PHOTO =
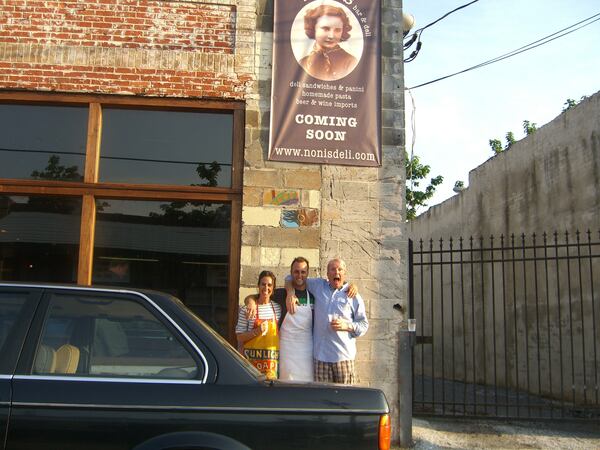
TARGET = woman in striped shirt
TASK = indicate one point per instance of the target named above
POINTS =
(254, 326)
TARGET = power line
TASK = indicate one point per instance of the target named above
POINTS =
(116, 158)
(413, 125)
(416, 35)
(420, 30)
(530, 46)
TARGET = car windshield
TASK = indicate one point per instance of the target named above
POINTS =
(245, 364)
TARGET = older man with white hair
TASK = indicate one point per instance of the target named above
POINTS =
(338, 321)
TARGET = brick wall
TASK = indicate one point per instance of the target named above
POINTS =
(110, 23)
(153, 48)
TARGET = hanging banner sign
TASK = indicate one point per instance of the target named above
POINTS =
(326, 89)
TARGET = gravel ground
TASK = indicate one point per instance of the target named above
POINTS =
(438, 433)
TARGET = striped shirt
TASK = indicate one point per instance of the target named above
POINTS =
(264, 312)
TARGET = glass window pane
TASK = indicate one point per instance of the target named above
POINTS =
(11, 305)
(177, 247)
(104, 336)
(166, 147)
(39, 238)
(43, 142)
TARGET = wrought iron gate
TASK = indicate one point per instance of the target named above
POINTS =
(507, 327)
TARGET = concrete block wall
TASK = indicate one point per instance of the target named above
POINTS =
(548, 181)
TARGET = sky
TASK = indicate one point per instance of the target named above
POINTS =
(455, 118)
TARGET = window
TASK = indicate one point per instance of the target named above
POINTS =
(110, 337)
(43, 142)
(96, 188)
(177, 247)
(39, 238)
(11, 305)
(166, 147)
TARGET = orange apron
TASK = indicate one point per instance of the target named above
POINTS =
(263, 351)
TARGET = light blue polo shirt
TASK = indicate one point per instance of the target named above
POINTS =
(330, 345)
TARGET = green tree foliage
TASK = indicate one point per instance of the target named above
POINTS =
(185, 213)
(510, 139)
(54, 171)
(209, 173)
(570, 103)
(193, 214)
(529, 127)
(415, 174)
(496, 144)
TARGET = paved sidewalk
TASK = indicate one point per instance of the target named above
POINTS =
(444, 433)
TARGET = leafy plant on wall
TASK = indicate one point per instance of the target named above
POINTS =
(416, 173)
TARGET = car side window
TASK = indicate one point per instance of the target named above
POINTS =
(11, 305)
(84, 335)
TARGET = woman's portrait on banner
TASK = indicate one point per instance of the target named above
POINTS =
(327, 40)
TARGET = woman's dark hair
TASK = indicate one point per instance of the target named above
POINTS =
(312, 15)
(267, 273)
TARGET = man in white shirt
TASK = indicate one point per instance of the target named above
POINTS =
(338, 321)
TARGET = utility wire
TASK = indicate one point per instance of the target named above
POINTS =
(413, 124)
(530, 46)
(117, 158)
(416, 35)
(420, 30)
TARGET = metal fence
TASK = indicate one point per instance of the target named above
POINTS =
(507, 327)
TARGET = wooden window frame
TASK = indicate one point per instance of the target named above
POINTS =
(90, 188)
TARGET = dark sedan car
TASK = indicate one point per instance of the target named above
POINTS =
(106, 368)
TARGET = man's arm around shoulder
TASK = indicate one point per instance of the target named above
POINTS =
(360, 323)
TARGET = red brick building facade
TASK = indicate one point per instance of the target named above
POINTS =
(156, 48)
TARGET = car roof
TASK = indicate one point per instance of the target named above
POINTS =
(162, 299)
(95, 287)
